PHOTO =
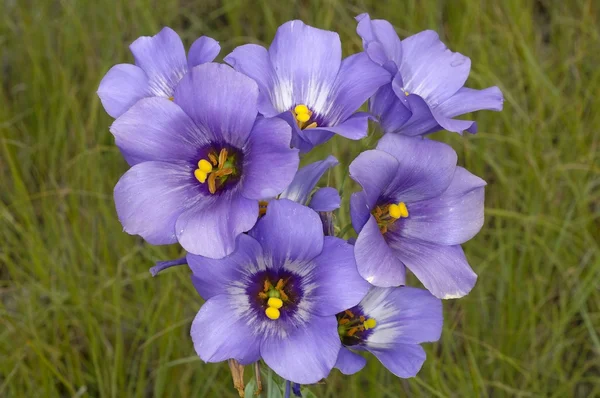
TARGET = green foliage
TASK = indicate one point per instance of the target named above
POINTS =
(81, 316)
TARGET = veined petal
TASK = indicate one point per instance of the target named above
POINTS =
(121, 87)
(380, 41)
(389, 110)
(348, 362)
(360, 210)
(403, 360)
(325, 199)
(374, 170)
(469, 100)
(306, 179)
(162, 57)
(204, 49)
(353, 128)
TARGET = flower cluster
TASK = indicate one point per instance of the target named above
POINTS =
(215, 149)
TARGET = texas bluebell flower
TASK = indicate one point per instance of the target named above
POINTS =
(276, 296)
(303, 79)
(415, 209)
(427, 90)
(201, 163)
(160, 63)
(390, 323)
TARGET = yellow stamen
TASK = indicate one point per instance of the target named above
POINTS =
(395, 211)
(222, 157)
(205, 166)
(352, 331)
(213, 159)
(275, 302)
(370, 323)
(200, 175)
(212, 183)
(403, 209)
(171, 98)
(280, 284)
(311, 126)
(299, 109)
(349, 313)
(272, 313)
(344, 321)
(303, 117)
(406, 93)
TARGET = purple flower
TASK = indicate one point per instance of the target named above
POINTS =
(200, 163)
(427, 90)
(276, 296)
(160, 63)
(390, 323)
(303, 79)
(415, 210)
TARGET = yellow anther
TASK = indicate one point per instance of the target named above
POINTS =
(301, 109)
(200, 175)
(370, 323)
(395, 211)
(171, 98)
(303, 117)
(272, 313)
(406, 93)
(275, 302)
(403, 209)
(205, 166)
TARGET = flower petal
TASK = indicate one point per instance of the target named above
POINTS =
(390, 111)
(121, 87)
(360, 211)
(403, 360)
(452, 218)
(353, 128)
(335, 267)
(220, 100)
(469, 100)
(421, 120)
(306, 61)
(254, 61)
(374, 170)
(289, 231)
(348, 362)
(270, 164)
(218, 334)
(380, 41)
(306, 179)
(162, 57)
(443, 270)
(211, 227)
(430, 69)
(325, 199)
(157, 129)
(425, 170)
(358, 79)
(307, 355)
(212, 277)
(204, 49)
(151, 195)
(376, 262)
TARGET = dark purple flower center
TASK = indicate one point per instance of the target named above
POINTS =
(275, 293)
(219, 168)
(387, 214)
(354, 326)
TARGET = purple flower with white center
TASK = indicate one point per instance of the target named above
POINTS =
(160, 63)
(390, 323)
(276, 296)
(303, 79)
(201, 163)
(415, 210)
(427, 90)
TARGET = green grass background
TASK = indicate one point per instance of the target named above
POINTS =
(80, 314)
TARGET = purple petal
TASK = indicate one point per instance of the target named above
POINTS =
(306, 179)
(306, 61)
(360, 211)
(325, 199)
(376, 262)
(469, 100)
(307, 355)
(335, 267)
(157, 129)
(289, 231)
(348, 362)
(430, 69)
(254, 61)
(374, 170)
(121, 87)
(220, 100)
(380, 41)
(451, 218)
(211, 227)
(390, 111)
(204, 49)
(358, 79)
(405, 315)
(354, 128)
(150, 196)
(219, 334)
(443, 270)
(269, 164)
(425, 170)
(163, 59)
(421, 120)
(403, 360)
(212, 277)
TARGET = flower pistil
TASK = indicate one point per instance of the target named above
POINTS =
(386, 215)
(224, 165)
(275, 296)
(351, 326)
